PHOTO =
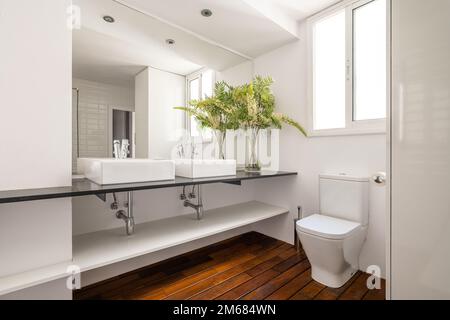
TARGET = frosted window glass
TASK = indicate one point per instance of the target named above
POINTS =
(329, 72)
(369, 61)
(194, 94)
(207, 92)
(194, 89)
(207, 84)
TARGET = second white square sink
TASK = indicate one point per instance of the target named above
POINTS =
(188, 168)
(112, 171)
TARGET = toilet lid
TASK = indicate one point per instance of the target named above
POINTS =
(327, 227)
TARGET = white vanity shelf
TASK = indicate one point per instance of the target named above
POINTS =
(98, 249)
(102, 248)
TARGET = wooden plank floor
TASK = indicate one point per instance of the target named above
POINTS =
(249, 267)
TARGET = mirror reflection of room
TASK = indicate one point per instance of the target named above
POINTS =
(129, 72)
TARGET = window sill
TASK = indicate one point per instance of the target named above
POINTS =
(346, 132)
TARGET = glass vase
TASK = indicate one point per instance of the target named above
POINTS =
(220, 143)
(252, 163)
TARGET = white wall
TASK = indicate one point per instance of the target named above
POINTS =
(96, 101)
(35, 130)
(353, 154)
(237, 75)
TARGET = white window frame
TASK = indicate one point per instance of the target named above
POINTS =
(191, 77)
(353, 127)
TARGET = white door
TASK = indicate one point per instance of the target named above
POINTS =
(420, 150)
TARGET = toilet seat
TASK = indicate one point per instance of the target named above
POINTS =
(327, 227)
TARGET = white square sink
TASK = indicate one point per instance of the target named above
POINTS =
(112, 171)
(197, 168)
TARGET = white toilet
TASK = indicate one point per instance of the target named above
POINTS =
(333, 239)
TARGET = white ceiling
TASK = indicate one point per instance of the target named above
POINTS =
(300, 9)
(250, 27)
(238, 30)
(102, 58)
(114, 53)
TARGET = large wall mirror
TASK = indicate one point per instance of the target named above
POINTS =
(129, 70)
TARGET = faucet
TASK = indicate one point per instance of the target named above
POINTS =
(194, 151)
(121, 150)
(188, 203)
(116, 149)
(180, 151)
(124, 150)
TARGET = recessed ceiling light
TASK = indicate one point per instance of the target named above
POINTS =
(170, 42)
(109, 19)
(206, 13)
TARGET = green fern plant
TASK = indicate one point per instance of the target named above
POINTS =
(216, 112)
(254, 107)
(247, 106)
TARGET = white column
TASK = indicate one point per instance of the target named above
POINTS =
(35, 132)
(158, 125)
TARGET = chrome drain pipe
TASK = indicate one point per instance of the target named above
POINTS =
(127, 216)
(197, 207)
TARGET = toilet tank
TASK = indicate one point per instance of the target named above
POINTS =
(345, 197)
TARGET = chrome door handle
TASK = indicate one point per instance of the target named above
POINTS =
(379, 178)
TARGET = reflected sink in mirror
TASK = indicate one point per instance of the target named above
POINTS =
(188, 168)
(112, 171)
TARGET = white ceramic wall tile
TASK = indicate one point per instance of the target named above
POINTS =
(95, 101)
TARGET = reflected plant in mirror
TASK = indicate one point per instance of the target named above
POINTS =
(217, 113)
(254, 106)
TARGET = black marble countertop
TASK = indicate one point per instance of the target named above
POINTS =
(85, 187)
